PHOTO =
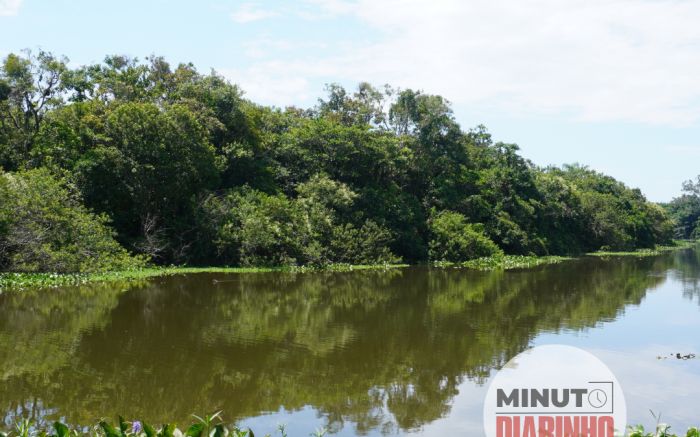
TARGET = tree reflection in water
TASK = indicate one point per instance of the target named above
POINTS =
(380, 349)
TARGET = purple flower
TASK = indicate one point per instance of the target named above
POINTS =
(136, 427)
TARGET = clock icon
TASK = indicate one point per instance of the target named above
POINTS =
(597, 398)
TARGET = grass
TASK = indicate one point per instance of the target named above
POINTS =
(19, 281)
(677, 244)
(506, 262)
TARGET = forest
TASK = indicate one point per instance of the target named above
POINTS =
(126, 163)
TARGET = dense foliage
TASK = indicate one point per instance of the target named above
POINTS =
(209, 426)
(44, 227)
(685, 211)
(453, 239)
(187, 170)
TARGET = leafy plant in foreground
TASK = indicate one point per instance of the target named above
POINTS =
(213, 426)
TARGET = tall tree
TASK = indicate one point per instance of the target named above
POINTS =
(30, 86)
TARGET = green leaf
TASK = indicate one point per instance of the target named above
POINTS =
(61, 429)
(219, 431)
(195, 430)
(123, 426)
(109, 430)
(148, 430)
(166, 431)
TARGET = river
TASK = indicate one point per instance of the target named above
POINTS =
(400, 352)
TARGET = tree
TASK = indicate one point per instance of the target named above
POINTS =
(144, 166)
(561, 215)
(616, 217)
(364, 107)
(250, 227)
(44, 227)
(190, 171)
(30, 87)
(686, 210)
(455, 240)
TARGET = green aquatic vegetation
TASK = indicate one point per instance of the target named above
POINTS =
(505, 262)
(638, 252)
(659, 249)
(213, 426)
(662, 430)
(207, 426)
(20, 281)
(320, 432)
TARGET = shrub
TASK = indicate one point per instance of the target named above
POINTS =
(45, 228)
(252, 228)
(256, 229)
(455, 240)
(368, 244)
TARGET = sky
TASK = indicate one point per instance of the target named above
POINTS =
(611, 84)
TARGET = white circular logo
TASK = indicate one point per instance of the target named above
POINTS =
(554, 390)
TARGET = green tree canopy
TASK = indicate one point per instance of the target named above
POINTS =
(190, 171)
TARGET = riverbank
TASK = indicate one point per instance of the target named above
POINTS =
(510, 262)
(19, 281)
(658, 250)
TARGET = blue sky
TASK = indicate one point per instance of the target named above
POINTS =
(612, 84)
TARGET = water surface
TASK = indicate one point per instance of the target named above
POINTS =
(406, 351)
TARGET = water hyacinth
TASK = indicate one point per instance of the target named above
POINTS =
(30, 281)
(504, 262)
(136, 427)
(213, 426)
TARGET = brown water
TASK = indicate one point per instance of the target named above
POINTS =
(371, 352)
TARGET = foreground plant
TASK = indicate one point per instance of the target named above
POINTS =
(207, 426)
(204, 426)
(662, 430)
(213, 426)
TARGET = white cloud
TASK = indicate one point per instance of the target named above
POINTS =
(266, 47)
(594, 60)
(9, 7)
(684, 150)
(249, 12)
(319, 9)
(265, 85)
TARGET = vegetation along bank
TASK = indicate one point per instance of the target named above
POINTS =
(126, 165)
